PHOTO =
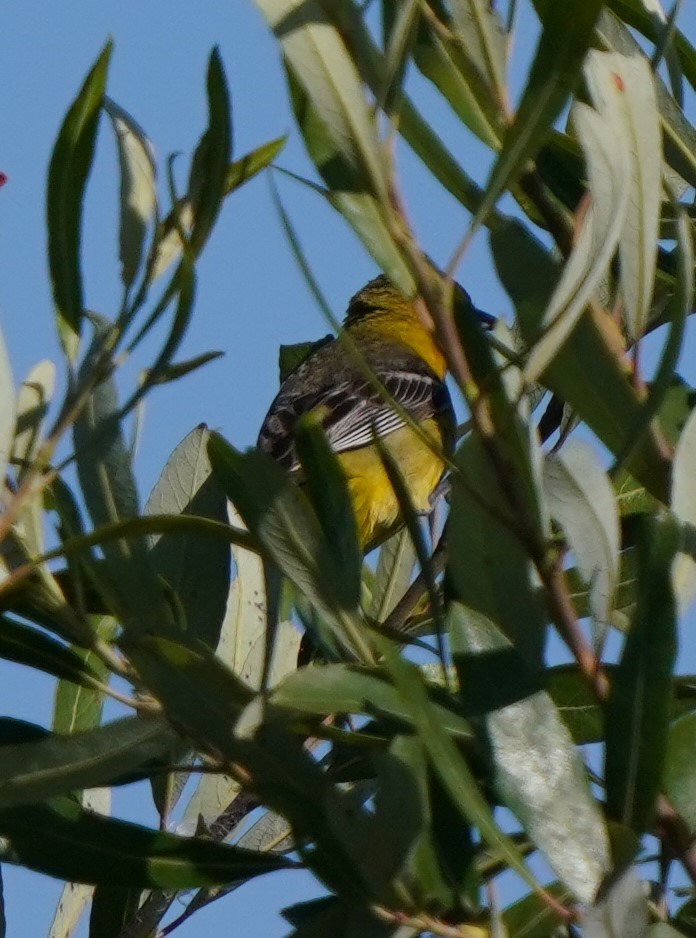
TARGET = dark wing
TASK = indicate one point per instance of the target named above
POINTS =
(354, 410)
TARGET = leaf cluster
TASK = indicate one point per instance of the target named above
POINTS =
(367, 721)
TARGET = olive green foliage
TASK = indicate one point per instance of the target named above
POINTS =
(378, 714)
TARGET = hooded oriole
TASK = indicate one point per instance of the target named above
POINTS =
(405, 357)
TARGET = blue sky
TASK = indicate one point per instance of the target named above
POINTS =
(250, 298)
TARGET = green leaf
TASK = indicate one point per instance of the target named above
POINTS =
(175, 370)
(169, 244)
(489, 570)
(480, 32)
(340, 688)
(638, 709)
(25, 645)
(318, 58)
(109, 490)
(56, 765)
(197, 569)
(394, 572)
(581, 499)
(138, 189)
(210, 165)
(279, 515)
(346, 191)
(553, 75)
(327, 489)
(425, 143)
(585, 372)
(405, 824)
(531, 917)
(112, 910)
(61, 839)
(608, 160)
(448, 762)
(336, 917)
(67, 178)
(537, 770)
(252, 163)
(448, 58)
(76, 707)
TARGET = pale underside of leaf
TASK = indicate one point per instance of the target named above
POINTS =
(581, 499)
(608, 166)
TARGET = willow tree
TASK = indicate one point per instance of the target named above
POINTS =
(368, 720)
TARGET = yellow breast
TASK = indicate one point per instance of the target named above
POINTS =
(376, 507)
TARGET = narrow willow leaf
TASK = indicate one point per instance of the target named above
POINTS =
(425, 143)
(679, 135)
(638, 710)
(531, 916)
(480, 32)
(33, 399)
(448, 762)
(580, 497)
(489, 569)
(169, 245)
(585, 371)
(360, 208)
(395, 564)
(608, 166)
(112, 911)
(280, 516)
(67, 178)
(537, 770)
(24, 645)
(138, 189)
(398, 49)
(76, 707)
(61, 839)
(405, 823)
(212, 158)
(320, 61)
(341, 919)
(327, 489)
(7, 412)
(445, 60)
(57, 764)
(242, 647)
(269, 832)
(339, 688)
(108, 486)
(683, 504)
(553, 75)
(197, 569)
(635, 106)
(640, 15)
(71, 906)
(176, 370)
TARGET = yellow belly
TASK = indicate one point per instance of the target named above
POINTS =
(375, 505)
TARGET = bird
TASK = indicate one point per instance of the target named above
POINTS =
(405, 357)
